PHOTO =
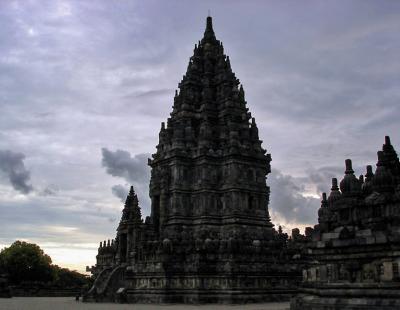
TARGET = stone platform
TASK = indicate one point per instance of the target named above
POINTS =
(62, 303)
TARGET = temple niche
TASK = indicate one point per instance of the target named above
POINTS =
(209, 237)
(354, 251)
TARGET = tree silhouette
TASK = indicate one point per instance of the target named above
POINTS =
(24, 261)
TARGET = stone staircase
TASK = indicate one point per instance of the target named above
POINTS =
(106, 285)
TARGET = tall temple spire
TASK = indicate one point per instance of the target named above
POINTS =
(210, 112)
(210, 129)
(209, 216)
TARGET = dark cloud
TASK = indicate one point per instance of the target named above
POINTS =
(153, 93)
(133, 169)
(121, 164)
(50, 190)
(288, 202)
(13, 167)
(120, 191)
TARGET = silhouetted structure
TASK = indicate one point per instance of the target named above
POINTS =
(355, 248)
(209, 237)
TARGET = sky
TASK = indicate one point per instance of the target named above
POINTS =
(85, 85)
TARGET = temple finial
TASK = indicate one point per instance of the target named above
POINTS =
(209, 35)
(209, 26)
(334, 184)
(349, 168)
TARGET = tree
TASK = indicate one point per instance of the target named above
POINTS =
(68, 278)
(26, 262)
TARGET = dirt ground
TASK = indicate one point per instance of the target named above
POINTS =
(64, 303)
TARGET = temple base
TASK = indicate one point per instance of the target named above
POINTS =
(117, 286)
(379, 297)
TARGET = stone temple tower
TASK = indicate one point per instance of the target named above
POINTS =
(208, 174)
(209, 237)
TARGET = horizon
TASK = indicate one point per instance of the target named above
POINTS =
(85, 87)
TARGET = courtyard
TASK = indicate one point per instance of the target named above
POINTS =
(61, 303)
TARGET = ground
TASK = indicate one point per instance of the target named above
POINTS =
(64, 303)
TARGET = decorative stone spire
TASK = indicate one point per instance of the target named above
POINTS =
(350, 185)
(335, 193)
(209, 35)
(323, 212)
(383, 179)
(131, 211)
(324, 202)
(387, 146)
(324, 205)
(209, 96)
(367, 186)
(349, 168)
(390, 160)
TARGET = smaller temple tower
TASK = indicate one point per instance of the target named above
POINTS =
(124, 249)
(129, 231)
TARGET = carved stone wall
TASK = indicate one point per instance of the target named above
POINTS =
(355, 248)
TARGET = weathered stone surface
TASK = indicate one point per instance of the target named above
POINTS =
(358, 266)
(209, 237)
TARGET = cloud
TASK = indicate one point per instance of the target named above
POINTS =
(120, 191)
(13, 167)
(50, 190)
(322, 177)
(133, 169)
(121, 164)
(287, 200)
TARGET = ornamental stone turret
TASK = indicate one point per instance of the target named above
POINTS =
(335, 193)
(324, 213)
(383, 179)
(350, 185)
(391, 160)
(367, 186)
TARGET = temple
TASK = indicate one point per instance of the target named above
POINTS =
(354, 251)
(209, 237)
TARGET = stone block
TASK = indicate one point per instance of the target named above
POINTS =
(364, 233)
(330, 236)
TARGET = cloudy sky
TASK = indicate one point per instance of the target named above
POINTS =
(84, 86)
